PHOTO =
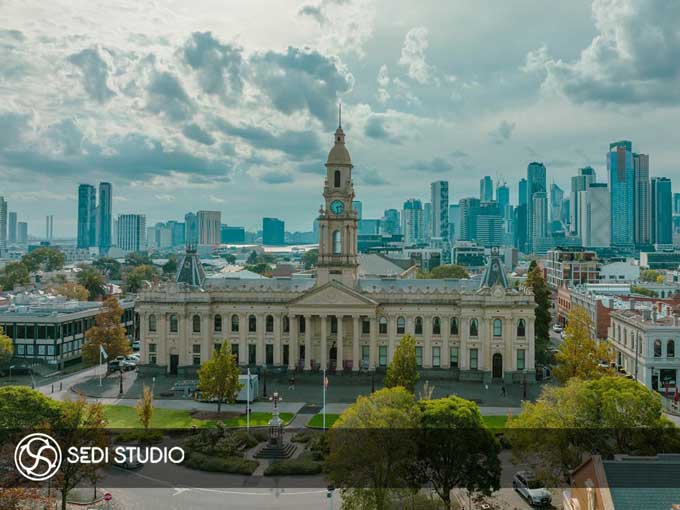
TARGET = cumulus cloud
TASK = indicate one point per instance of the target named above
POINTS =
(218, 65)
(276, 177)
(413, 56)
(376, 128)
(503, 132)
(12, 125)
(434, 165)
(371, 177)
(94, 73)
(383, 83)
(166, 95)
(633, 58)
(197, 134)
(302, 80)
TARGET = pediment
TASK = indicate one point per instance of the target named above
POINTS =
(332, 294)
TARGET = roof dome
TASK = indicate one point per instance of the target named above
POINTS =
(339, 155)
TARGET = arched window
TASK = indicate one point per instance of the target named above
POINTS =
(302, 325)
(252, 324)
(269, 324)
(196, 324)
(174, 324)
(234, 323)
(337, 242)
(286, 324)
(474, 327)
(401, 325)
(454, 326)
(670, 349)
(218, 323)
(334, 324)
(152, 323)
(419, 325)
(382, 326)
(657, 348)
(497, 327)
(436, 326)
(336, 179)
(521, 328)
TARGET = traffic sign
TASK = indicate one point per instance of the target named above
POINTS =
(108, 496)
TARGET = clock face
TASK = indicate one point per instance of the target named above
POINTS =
(337, 207)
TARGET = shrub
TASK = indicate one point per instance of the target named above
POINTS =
(140, 436)
(304, 465)
(231, 465)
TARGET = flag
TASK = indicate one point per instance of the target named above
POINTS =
(325, 382)
(102, 352)
(677, 395)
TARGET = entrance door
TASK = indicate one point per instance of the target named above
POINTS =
(174, 363)
(302, 354)
(497, 364)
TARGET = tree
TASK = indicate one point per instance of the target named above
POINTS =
(252, 258)
(456, 449)
(138, 258)
(46, 257)
(107, 332)
(22, 409)
(79, 424)
(109, 267)
(145, 407)
(310, 258)
(230, 258)
(373, 448)
(402, 370)
(93, 281)
(72, 290)
(170, 267)
(14, 274)
(650, 275)
(542, 298)
(135, 278)
(607, 416)
(446, 271)
(580, 355)
(6, 347)
(259, 268)
(218, 378)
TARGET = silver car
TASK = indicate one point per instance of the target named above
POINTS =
(531, 489)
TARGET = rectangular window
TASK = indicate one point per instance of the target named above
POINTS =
(20, 349)
(286, 357)
(252, 354)
(474, 361)
(454, 356)
(197, 349)
(29, 349)
(217, 347)
(436, 357)
(365, 355)
(152, 348)
(382, 355)
(521, 359)
(235, 352)
(41, 350)
(50, 350)
(196, 359)
(269, 354)
(365, 327)
(152, 359)
(419, 356)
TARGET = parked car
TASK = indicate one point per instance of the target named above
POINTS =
(135, 345)
(531, 489)
(134, 357)
(557, 328)
(131, 460)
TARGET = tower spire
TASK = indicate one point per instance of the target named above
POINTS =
(340, 115)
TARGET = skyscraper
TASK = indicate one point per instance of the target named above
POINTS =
(427, 221)
(87, 218)
(622, 189)
(595, 228)
(556, 200)
(190, 228)
(539, 212)
(468, 210)
(486, 189)
(49, 227)
(536, 183)
(580, 182)
(454, 222)
(22, 232)
(391, 222)
(105, 216)
(412, 221)
(359, 208)
(503, 197)
(12, 234)
(132, 232)
(481, 222)
(643, 215)
(440, 209)
(522, 192)
(662, 211)
(209, 225)
(3, 222)
(273, 232)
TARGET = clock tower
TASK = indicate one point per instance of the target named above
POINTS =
(337, 219)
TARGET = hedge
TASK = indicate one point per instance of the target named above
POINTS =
(300, 466)
(231, 465)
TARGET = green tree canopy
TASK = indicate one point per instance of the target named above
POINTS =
(45, 257)
(109, 267)
(14, 274)
(135, 278)
(542, 296)
(6, 347)
(229, 257)
(218, 378)
(93, 281)
(138, 258)
(446, 271)
(22, 408)
(402, 370)
(650, 275)
(170, 267)
(310, 258)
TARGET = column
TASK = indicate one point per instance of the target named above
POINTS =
(340, 366)
(391, 336)
(356, 355)
(427, 341)
(373, 345)
(463, 354)
(293, 350)
(242, 340)
(532, 343)
(308, 342)
(260, 358)
(278, 333)
(324, 342)
(446, 344)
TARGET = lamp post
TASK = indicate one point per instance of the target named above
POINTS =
(10, 372)
(264, 381)
(373, 380)
(120, 392)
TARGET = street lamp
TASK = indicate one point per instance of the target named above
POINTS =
(121, 383)
(264, 381)
(10, 372)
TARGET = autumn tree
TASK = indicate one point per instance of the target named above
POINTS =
(6, 347)
(72, 290)
(135, 278)
(108, 332)
(218, 378)
(145, 407)
(580, 355)
(93, 281)
(402, 370)
(542, 297)
(446, 271)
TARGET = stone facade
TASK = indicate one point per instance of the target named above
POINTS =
(338, 320)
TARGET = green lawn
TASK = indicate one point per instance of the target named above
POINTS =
(494, 422)
(126, 417)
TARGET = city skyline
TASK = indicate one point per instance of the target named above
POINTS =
(199, 113)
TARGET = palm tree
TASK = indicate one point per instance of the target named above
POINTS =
(93, 281)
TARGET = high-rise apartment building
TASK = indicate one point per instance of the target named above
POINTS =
(12, 233)
(642, 213)
(481, 222)
(662, 211)
(440, 209)
(49, 227)
(233, 235)
(454, 222)
(556, 202)
(595, 211)
(412, 222)
(585, 177)
(209, 225)
(87, 216)
(273, 232)
(104, 210)
(191, 228)
(427, 221)
(539, 212)
(522, 192)
(536, 183)
(622, 188)
(486, 189)
(3, 222)
(132, 232)
(503, 197)
(391, 222)
(22, 232)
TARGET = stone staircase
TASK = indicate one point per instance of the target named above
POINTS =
(276, 452)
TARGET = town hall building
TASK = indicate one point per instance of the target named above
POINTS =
(341, 318)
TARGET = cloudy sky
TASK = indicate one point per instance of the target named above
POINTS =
(231, 105)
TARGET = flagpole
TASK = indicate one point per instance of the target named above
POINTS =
(248, 403)
(323, 381)
(100, 365)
